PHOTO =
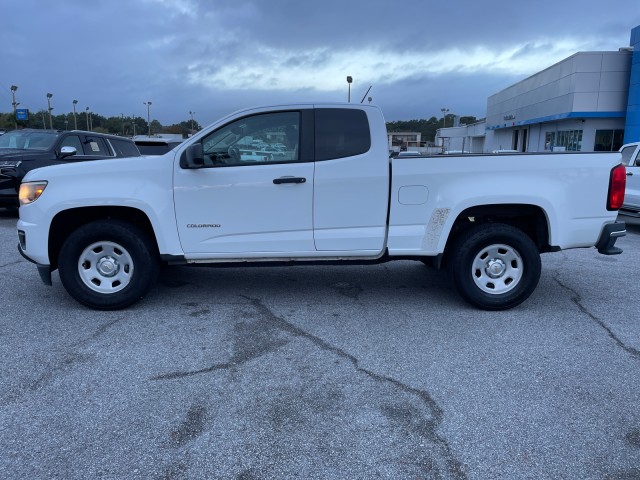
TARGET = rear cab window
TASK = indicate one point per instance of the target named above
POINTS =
(341, 133)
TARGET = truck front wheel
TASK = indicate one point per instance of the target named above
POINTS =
(107, 264)
(495, 266)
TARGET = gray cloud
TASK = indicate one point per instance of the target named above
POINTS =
(214, 57)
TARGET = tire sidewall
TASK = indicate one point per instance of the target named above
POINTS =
(132, 239)
(467, 247)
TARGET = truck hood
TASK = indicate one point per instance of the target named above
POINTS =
(108, 169)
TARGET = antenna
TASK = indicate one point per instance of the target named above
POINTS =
(365, 95)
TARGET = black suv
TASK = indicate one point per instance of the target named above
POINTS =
(24, 150)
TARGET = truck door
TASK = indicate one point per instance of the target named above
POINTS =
(631, 158)
(247, 204)
(351, 183)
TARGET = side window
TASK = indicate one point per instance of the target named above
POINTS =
(263, 138)
(341, 133)
(124, 148)
(96, 146)
(73, 141)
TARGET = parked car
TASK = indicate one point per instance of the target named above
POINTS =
(329, 200)
(156, 146)
(631, 160)
(28, 149)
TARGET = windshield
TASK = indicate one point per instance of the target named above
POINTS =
(27, 140)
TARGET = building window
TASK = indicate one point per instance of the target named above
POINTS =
(608, 140)
(563, 140)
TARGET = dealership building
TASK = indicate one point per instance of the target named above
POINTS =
(587, 102)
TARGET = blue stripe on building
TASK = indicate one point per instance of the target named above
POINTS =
(632, 125)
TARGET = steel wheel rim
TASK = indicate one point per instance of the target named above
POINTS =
(497, 269)
(105, 267)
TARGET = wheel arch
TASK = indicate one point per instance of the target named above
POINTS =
(531, 219)
(67, 221)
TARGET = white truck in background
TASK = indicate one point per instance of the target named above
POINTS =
(334, 195)
(631, 160)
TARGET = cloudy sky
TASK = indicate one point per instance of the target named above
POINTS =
(213, 57)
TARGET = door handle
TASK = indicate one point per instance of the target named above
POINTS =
(629, 174)
(280, 180)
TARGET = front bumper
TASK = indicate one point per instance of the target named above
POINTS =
(610, 233)
(43, 270)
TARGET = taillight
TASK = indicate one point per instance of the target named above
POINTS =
(617, 185)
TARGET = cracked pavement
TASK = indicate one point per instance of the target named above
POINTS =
(323, 372)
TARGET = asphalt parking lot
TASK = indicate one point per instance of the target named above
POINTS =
(353, 372)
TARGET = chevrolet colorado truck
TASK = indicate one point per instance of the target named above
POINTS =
(334, 195)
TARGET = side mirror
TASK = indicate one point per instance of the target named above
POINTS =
(67, 152)
(193, 156)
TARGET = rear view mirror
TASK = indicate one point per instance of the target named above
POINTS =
(193, 156)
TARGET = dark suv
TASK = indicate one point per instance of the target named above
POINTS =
(24, 150)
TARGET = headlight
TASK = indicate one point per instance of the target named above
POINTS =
(30, 192)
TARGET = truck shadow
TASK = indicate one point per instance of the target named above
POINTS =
(394, 282)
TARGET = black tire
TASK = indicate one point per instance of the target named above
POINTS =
(108, 264)
(495, 266)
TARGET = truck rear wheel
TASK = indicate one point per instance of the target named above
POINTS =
(495, 266)
(107, 264)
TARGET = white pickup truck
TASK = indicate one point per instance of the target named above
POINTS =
(631, 160)
(335, 195)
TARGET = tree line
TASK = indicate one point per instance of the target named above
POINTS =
(116, 125)
(427, 127)
(129, 126)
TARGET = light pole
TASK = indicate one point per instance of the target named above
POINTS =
(349, 80)
(15, 104)
(148, 104)
(122, 124)
(87, 115)
(49, 95)
(191, 113)
(133, 118)
(444, 116)
(75, 121)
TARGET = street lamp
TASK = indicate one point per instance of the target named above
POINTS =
(15, 104)
(49, 95)
(148, 104)
(191, 113)
(349, 80)
(122, 124)
(75, 121)
(444, 116)
(86, 110)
